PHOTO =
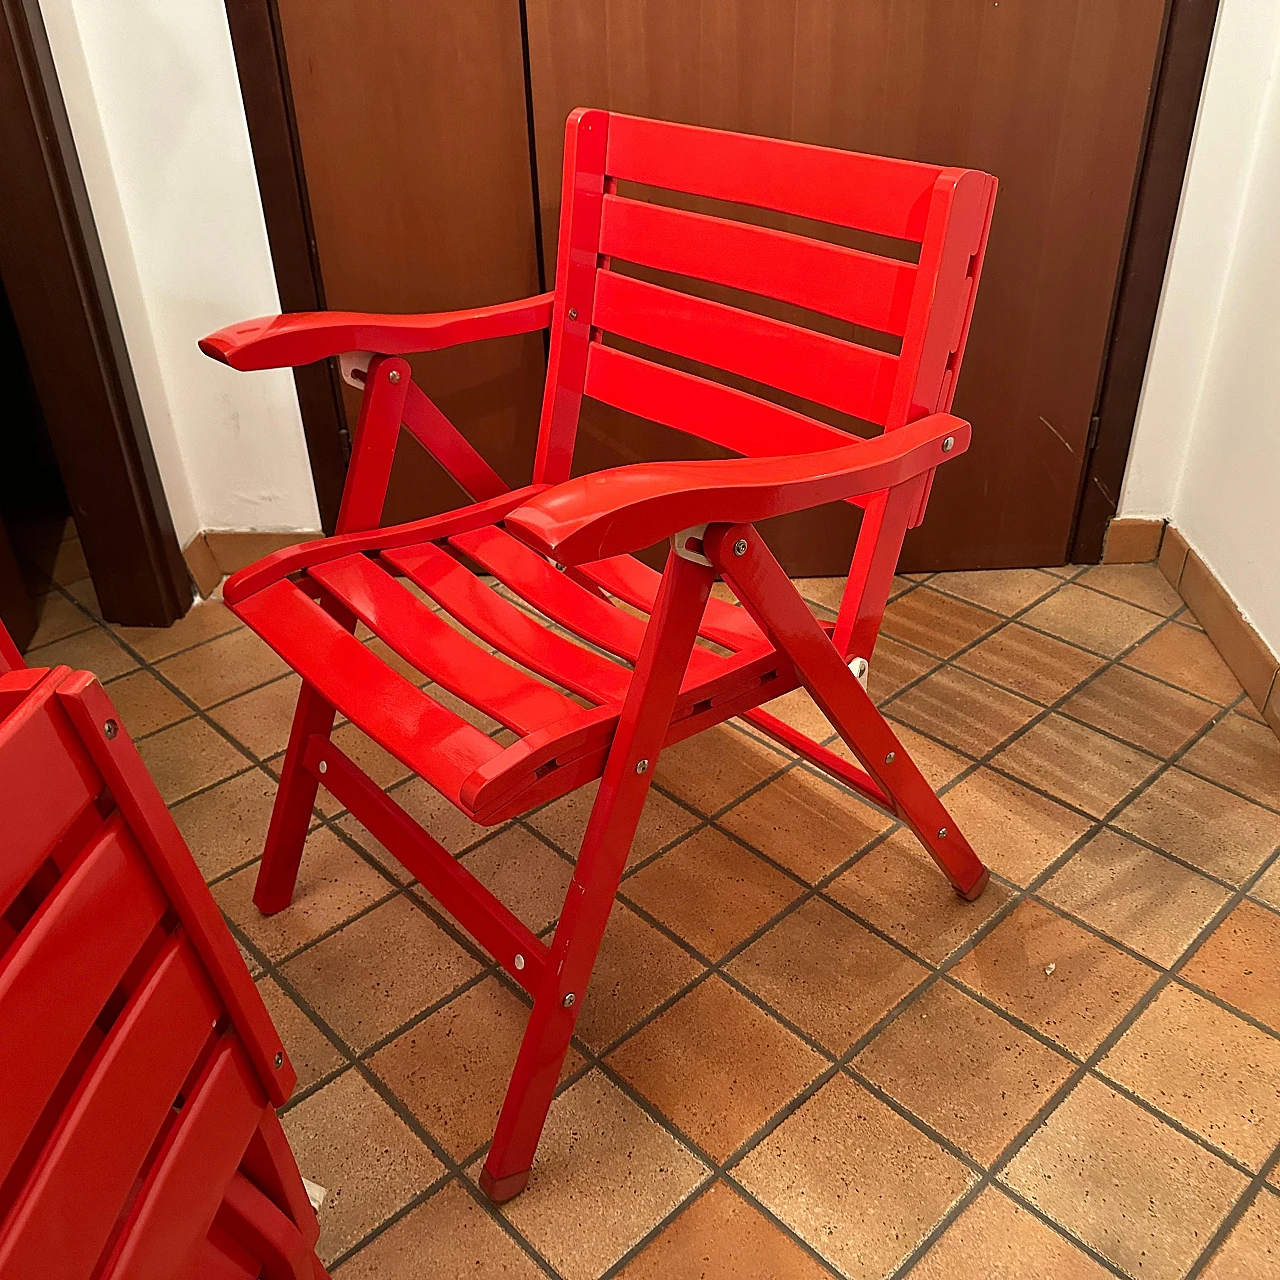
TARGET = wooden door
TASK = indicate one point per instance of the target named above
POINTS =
(1049, 95)
(415, 146)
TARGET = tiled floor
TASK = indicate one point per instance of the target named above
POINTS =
(801, 1054)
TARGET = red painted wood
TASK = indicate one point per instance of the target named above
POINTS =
(247, 1215)
(842, 375)
(275, 342)
(88, 1168)
(10, 658)
(450, 448)
(861, 288)
(438, 650)
(613, 512)
(888, 197)
(377, 434)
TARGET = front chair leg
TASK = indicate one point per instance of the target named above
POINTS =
(642, 729)
(764, 589)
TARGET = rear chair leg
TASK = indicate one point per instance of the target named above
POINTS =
(295, 798)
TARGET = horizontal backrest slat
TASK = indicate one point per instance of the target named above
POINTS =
(842, 375)
(91, 1163)
(699, 407)
(862, 288)
(872, 193)
(56, 979)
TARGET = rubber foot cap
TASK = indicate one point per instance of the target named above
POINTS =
(500, 1190)
(974, 893)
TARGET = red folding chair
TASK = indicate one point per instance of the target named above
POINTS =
(564, 546)
(139, 1070)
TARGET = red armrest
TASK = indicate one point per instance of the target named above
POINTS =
(612, 512)
(276, 342)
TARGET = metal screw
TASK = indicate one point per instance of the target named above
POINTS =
(948, 444)
(324, 766)
(569, 1001)
(110, 729)
(279, 1061)
(891, 757)
(394, 375)
(942, 833)
(573, 313)
(642, 766)
(519, 961)
(740, 547)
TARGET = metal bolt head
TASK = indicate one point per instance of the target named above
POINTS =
(948, 444)
(891, 757)
(110, 729)
(573, 313)
(394, 375)
(942, 833)
(569, 1001)
(323, 766)
(279, 1060)
(740, 547)
(519, 962)
(642, 766)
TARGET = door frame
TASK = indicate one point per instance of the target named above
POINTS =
(1171, 114)
(56, 278)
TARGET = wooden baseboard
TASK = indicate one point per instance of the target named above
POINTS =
(1132, 541)
(215, 553)
(1241, 647)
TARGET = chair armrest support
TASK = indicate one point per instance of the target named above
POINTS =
(279, 342)
(623, 509)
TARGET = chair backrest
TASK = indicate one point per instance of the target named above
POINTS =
(608, 319)
(137, 1060)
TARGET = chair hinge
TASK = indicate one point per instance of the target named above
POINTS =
(695, 534)
(860, 668)
(354, 367)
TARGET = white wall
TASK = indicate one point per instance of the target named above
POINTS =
(1206, 449)
(154, 102)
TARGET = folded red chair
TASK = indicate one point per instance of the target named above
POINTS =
(563, 546)
(139, 1070)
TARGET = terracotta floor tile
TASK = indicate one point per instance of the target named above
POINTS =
(1252, 1250)
(334, 883)
(963, 711)
(69, 563)
(1055, 976)
(1202, 824)
(1242, 755)
(939, 764)
(1207, 1068)
(897, 888)
(1140, 584)
(637, 969)
(375, 849)
(713, 769)
(260, 720)
(397, 663)
(144, 704)
(716, 1065)
(375, 973)
(524, 873)
(1141, 710)
(222, 668)
(1126, 1184)
(378, 763)
(894, 665)
(711, 891)
(1267, 887)
(799, 710)
(369, 1161)
(1077, 764)
(447, 1238)
(1140, 898)
(1238, 963)
(827, 974)
(93, 650)
(936, 623)
(1185, 656)
(722, 1236)
(451, 1069)
(225, 827)
(824, 592)
(1035, 665)
(805, 823)
(853, 1179)
(964, 1070)
(309, 1049)
(997, 1239)
(444, 820)
(203, 622)
(1091, 620)
(57, 619)
(605, 1176)
(187, 757)
(1004, 591)
(1015, 831)
(662, 822)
